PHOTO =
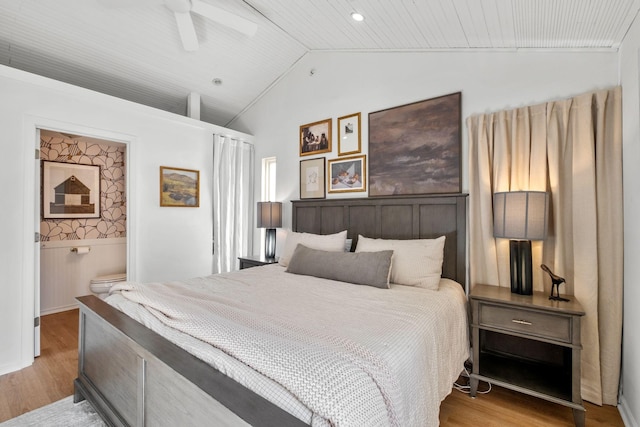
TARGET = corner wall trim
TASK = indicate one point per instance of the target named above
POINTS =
(625, 412)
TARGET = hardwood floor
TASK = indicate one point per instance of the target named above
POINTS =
(51, 377)
(506, 408)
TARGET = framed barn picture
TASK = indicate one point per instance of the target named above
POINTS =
(416, 148)
(179, 187)
(70, 190)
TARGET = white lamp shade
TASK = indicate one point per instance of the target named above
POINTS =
(269, 215)
(520, 215)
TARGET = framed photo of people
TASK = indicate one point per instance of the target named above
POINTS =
(315, 138)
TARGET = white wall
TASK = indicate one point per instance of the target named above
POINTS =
(163, 243)
(351, 82)
(65, 274)
(630, 78)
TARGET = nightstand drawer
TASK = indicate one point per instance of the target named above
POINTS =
(539, 324)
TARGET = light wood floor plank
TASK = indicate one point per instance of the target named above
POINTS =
(506, 408)
(51, 377)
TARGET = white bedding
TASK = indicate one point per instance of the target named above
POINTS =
(414, 341)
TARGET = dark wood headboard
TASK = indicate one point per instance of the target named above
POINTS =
(414, 217)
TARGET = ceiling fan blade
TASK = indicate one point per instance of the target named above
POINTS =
(187, 31)
(223, 17)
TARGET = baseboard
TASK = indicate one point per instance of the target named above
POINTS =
(59, 309)
(625, 412)
(7, 369)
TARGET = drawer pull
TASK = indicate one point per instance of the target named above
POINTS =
(521, 322)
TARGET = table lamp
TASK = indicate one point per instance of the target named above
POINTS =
(270, 217)
(520, 216)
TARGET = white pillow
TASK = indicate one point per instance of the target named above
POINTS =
(416, 262)
(326, 242)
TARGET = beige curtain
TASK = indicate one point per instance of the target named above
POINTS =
(573, 149)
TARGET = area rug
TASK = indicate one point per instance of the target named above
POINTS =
(61, 413)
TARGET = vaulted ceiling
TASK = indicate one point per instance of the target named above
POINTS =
(132, 49)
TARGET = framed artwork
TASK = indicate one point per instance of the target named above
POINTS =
(315, 138)
(416, 148)
(70, 190)
(179, 187)
(349, 134)
(312, 178)
(347, 174)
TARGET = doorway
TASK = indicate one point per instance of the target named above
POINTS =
(81, 212)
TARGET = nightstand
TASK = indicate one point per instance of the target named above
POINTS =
(529, 344)
(255, 261)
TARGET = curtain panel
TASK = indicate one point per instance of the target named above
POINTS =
(233, 180)
(572, 149)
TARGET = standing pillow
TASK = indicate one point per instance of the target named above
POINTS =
(416, 262)
(326, 242)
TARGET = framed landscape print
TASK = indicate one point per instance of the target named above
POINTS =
(179, 187)
(347, 174)
(70, 190)
(416, 148)
(315, 138)
(312, 179)
(349, 135)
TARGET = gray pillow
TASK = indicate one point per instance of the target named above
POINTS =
(361, 268)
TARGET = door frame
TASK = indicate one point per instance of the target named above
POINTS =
(31, 288)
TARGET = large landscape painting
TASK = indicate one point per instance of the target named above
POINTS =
(415, 148)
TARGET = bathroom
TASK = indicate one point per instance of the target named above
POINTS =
(80, 245)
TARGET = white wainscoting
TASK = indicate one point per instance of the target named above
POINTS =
(65, 274)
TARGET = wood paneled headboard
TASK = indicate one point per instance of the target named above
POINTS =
(414, 217)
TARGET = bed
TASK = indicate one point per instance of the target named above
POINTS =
(133, 375)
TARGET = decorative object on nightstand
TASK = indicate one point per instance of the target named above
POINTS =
(255, 261)
(270, 217)
(528, 344)
(556, 281)
(520, 216)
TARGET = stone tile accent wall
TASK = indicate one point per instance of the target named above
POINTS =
(113, 213)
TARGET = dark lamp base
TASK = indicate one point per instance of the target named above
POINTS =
(521, 273)
(270, 243)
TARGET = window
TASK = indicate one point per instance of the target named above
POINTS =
(268, 179)
(268, 191)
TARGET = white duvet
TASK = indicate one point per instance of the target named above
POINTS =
(330, 353)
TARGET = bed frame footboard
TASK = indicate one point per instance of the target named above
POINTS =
(134, 377)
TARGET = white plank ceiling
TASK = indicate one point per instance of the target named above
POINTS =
(131, 49)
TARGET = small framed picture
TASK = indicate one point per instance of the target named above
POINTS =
(70, 190)
(347, 174)
(179, 187)
(315, 138)
(312, 178)
(349, 134)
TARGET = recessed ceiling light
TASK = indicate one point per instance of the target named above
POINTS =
(357, 16)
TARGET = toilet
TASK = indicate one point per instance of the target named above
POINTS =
(100, 285)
